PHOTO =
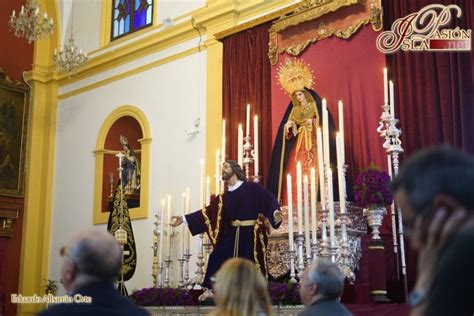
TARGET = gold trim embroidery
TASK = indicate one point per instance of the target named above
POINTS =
(213, 234)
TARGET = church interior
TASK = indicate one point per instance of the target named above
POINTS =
(118, 115)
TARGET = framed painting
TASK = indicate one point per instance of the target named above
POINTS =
(14, 108)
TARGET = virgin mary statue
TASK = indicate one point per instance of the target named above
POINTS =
(296, 139)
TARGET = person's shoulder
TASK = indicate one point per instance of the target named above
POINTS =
(461, 242)
(62, 309)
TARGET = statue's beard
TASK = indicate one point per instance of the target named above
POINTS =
(227, 175)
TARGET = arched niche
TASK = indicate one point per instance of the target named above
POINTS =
(130, 122)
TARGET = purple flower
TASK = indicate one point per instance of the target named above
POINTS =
(372, 188)
(162, 297)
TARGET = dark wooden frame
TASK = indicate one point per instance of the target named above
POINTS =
(14, 99)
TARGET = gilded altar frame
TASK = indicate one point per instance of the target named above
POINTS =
(14, 114)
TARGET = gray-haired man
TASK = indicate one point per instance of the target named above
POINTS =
(321, 288)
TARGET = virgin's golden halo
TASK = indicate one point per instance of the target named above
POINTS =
(294, 74)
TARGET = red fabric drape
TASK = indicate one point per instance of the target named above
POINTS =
(352, 71)
(433, 90)
(246, 79)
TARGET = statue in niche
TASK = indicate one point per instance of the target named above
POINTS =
(130, 168)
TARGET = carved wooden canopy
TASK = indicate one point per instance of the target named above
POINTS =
(315, 20)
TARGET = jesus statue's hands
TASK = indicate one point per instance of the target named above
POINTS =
(277, 216)
(176, 221)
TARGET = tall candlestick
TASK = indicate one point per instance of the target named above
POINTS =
(340, 174)
(223, 142)
(247, 121)
(208, 190)
(392, 100)
(322, 182)
(183, 211)
(299, 198)
(186, 231)
(255, 136)
(290, 212)
(162, 230)
(385, 86)
(341, 128)
(168, 220)
(314, 225)
(326, 135)
(306, 217)
(240, 144)
(201, 185)
(332, 229)
(218, 172)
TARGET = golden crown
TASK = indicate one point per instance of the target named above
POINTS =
(294, 74)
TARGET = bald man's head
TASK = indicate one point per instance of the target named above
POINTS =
(96, 255)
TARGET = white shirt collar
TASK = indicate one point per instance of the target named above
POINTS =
(235, 186)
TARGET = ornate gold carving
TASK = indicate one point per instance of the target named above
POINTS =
(8, 213)
(296, 50)
(309, 10)
(376, 15)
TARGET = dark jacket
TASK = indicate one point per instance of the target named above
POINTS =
(326, 307)
(106, 300)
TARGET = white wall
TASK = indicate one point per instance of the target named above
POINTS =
(87, 18)
(171, 96)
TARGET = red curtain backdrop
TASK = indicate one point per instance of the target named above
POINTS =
(433, 90)
(16, 56)
(246, 79)
(351, 71)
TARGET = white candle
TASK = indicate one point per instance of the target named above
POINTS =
(183, 208)
(201, 185)
(223, 142)
(306, 217)
(240, 144)
(186, 231)
(255, 135)
(314, 225)
(208, 190)
(385, 86)
(299, 198)
(340, 175)
(326, 135)
(341, 128)
(247, 121)
(168, 220)
(322, 182)
(389, 165)
(162, 230)
(392, 100)
(290, 212)
(218, 171)
(332, 230)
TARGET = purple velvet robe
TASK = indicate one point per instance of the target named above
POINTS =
(250, 201)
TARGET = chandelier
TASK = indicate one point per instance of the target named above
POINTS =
(30, 24)
(70, 57)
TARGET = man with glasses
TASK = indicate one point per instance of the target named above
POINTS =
(91, 266)
(321, 289)
(434, 192)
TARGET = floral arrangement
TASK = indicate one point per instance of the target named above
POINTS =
(284, 293)
(163, 297)
(372, 188)
(280, 294)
